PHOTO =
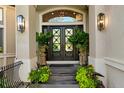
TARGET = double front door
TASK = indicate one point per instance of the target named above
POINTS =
(59, 47)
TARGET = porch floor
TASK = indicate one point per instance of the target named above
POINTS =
(63, 76)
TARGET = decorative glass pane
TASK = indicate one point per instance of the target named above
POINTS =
(56, 32)
(68, 47)
(66, 39)
(63, 19)
(68, 32)
(56, 47)
(56, 39)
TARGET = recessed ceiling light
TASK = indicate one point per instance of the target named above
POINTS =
(74, 13)
(52, 13)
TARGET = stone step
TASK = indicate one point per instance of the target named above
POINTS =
(60, 78)
(63, 74)
(62, 65)
(63, 70)
(63, 82)
(59, 86)
(68, 79)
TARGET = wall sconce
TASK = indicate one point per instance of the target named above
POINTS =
(20, 23)
(101, 21)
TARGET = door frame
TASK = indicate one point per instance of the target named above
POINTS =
(75, 51)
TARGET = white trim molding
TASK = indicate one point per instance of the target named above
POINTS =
(8, 55)
(115, 72)
(115, 63)
(62, 62)
(56, 24)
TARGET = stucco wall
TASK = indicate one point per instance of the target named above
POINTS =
(22, 39)
(10, 30)
(107, 47)
(32, 29)
(8, 55)
(115, 77)
(92, 34)
(1, 62)
(115, 46)
(26, 41)
(115, 32)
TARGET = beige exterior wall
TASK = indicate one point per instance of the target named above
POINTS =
(37, 22)
(115, 77)
(115, 33)
(115, 46)
(107, 47)
(22, 39)
(10, 60)
(1, 62)
(97, 38)
(10, 29)
(92, 29)
(26, 41)
(32, 29)
(8, 55)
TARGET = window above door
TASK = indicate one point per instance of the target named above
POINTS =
(62, 16)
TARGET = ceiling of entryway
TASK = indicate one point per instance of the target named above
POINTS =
(47, 7)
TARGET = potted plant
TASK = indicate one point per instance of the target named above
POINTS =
(42, 40)
(81, 40)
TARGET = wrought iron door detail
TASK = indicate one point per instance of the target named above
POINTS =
(56, 39)
(68, 45)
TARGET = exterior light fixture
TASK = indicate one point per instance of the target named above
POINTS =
(20, 23)
(101, 21)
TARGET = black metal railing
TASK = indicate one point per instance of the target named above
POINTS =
(9, 76)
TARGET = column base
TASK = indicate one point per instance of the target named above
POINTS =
(26, 67)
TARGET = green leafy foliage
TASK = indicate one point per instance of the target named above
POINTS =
(40, 75)
(44, 74)
(3, 82)
(34, 76)
(80, 39)
(1, 49)
(85, 77)
(43, 38)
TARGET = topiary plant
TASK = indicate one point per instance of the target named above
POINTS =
(42, 40)
(81, 40)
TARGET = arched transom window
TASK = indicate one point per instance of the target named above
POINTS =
(62, 16)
